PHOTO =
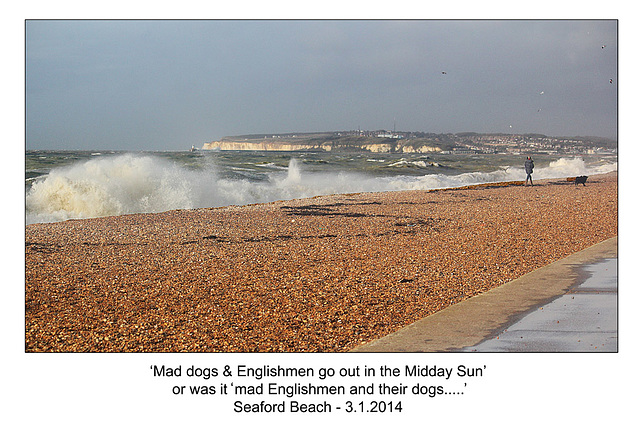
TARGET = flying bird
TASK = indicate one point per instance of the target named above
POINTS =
(444, 72)
(541, 92)
(604, 45)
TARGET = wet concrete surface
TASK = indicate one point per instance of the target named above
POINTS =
(583, 320)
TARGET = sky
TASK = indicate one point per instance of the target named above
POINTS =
(171, 84)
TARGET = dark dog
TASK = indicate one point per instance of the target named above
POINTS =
(580, 179)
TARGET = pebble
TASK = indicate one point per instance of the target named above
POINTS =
(323, 274)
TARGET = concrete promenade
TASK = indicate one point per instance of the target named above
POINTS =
(567, 306)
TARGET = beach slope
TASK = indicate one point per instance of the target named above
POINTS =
(325, 274)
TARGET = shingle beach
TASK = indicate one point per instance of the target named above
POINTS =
(323, 274)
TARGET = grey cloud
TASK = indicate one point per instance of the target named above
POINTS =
(170, 84)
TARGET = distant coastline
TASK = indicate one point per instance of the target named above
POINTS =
(383, 141)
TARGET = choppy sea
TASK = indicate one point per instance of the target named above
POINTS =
(61, 185)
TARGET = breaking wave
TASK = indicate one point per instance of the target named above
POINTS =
(130, 183)
(560, 168)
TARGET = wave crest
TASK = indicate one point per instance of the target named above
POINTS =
(128, 183)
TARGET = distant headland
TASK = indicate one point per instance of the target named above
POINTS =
(383, 141)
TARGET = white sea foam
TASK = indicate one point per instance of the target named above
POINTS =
(129, 183)
(112, 186)
(561, 168)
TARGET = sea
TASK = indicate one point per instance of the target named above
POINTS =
(63, 185)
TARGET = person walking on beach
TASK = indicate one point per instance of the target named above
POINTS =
(528, 167)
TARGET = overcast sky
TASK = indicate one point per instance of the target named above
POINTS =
(167, 85)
